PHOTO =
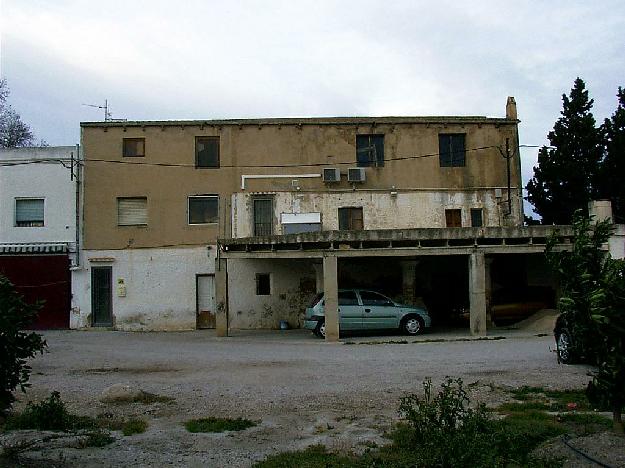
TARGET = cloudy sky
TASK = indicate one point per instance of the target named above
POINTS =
(161, 59)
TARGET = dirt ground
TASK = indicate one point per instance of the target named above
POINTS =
(299, 389)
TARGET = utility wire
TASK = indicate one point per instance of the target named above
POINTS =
(328, 163)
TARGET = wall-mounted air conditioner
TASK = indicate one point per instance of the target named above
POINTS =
(356, 174)
(331, 174)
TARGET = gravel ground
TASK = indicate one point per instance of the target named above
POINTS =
(301, 390)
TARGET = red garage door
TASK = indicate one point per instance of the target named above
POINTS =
(42, 278)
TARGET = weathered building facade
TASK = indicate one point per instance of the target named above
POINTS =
(158, 195)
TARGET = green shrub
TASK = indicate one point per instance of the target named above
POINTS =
(218, 424)
(16, 345)
(48, 415)
(134, 426)
(98, 438)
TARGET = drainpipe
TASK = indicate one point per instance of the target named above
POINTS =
(78, 175)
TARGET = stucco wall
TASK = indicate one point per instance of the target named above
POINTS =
(47, 180)
(160, 287)
(292, 286)
(381, 210)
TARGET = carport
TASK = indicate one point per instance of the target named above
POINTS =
(478, 248)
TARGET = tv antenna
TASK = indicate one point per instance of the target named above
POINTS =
(107, 114)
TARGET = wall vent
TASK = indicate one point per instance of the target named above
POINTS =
(356, 174)
(331, 174)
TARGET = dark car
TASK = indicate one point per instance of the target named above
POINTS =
(565, 345)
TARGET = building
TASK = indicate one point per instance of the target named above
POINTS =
(159, 194)
(38, 232)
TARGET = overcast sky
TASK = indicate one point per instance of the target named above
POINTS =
(192, 59)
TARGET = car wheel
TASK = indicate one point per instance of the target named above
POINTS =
(412, 325)
(320, 331)
(564, 346)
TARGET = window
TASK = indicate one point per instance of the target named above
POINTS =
(370, 150)
(370, 298)
(263, 284)
(476, 217)
(451, 149)
(207, 152)
(203, 209)
(29, 212)
(132, 211)
(134, 147)
(263, 216)
(453, 218)
(347, 298)
(350, 219)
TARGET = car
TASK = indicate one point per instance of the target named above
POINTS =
(565, 344)
(362, 309)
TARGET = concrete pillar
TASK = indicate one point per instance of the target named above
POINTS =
(221, 296)
(408, 272)
(331, 297)
(477, 293)
(488, 287)
(318, 276)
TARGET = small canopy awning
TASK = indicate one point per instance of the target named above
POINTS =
(34, 248)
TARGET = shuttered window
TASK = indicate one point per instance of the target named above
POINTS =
(451, 148)
(351, 219)
(132, 211)
(370, 150)
(29, 212)
(453, 218)
(134, 147)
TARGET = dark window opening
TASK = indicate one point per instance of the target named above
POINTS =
(452, 149)
(207, 152)
(351, 219)
(453, 218)
(263, 217)
(134, 147)
(476, 217)
(370, 150)
(203, 209)
(263, 284)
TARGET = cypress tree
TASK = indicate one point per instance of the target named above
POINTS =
(567, 171)
(613, 168)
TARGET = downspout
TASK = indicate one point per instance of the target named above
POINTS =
(78, 175)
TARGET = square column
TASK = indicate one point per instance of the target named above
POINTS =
(221, 297)
(408, 273)
(331, 297)
(477, 293)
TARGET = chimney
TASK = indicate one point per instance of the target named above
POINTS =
(511, 109)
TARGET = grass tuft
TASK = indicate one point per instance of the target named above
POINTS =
(218, 424)
(134, 426)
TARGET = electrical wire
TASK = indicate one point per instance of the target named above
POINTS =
(245, 166)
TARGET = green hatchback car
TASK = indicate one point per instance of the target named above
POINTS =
(361, 309)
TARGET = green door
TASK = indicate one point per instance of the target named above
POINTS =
(350, 311)
(378, 311)
(102, 296)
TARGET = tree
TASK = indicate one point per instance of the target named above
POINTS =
(613, 164)
(13, 132)
(593, 302)
(565, 178)
(16, 345)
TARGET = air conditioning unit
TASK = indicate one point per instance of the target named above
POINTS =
(356, 174)
(331, 174)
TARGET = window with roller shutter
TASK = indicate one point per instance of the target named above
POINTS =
(132, 211)
(29, 212)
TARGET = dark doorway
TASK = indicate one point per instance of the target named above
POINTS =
(263, 216)
(101, 296)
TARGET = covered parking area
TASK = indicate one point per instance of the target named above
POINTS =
(343, 257)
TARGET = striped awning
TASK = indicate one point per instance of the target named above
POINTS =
(33, 248)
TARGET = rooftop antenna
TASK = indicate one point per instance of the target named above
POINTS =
(107, 114)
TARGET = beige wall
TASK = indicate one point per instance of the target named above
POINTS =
(248, 149)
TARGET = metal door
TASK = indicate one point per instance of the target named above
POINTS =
(102, 296)
(205, 301)
(263, 216)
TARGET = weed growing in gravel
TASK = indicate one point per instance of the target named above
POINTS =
(48, 415)
(134, 426)
(218, 424)
(97, 438)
